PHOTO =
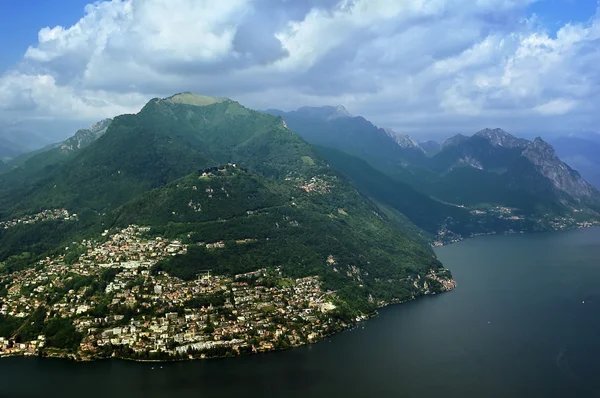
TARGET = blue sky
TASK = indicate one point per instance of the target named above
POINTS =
(555, 13)
(427, 68)
(21, 20)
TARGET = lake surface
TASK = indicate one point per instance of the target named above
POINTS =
(524, 321)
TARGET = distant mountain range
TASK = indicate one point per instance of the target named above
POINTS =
(9, 147)
(489, 168)
(20, 138)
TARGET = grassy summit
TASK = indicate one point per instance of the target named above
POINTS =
(188, 98)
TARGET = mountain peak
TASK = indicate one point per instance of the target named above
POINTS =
(542, 155)
(85, 137)
(542, 145)
(101, 125)
(499, 137)
(341, 111)
(404, 140)
(189, 98)
(454, 140)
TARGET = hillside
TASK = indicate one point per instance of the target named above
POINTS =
(200, 206)
(296, 223)
(21, 174)
(335, 128)
(422, 210)
(165, 140)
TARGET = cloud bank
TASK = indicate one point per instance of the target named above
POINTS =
(426, 67)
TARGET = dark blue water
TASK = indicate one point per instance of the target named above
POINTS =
(523, 322)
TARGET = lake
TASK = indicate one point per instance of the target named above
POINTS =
(524, 321)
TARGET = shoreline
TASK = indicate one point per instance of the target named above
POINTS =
(55, 354)
(435, 244)
(447, 286)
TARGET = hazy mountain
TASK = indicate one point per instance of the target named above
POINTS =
(403, 140)
(422, 210)
(333, 127)
(14, 143)
(515, 165)
(490, 168)
(85, 137)
(21, 173)
(581, 152)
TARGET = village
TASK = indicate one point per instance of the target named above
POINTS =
(44, 215)
(119, 305)
(548, 222)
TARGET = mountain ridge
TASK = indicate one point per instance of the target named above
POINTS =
(538, 152)
(515, 172)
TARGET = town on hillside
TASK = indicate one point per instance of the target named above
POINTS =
(117, 305)
(515, 222)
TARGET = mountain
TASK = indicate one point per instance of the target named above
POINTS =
(32, 162)
(516, 172)
(291, 227)
(500, 138)
(334, 127)
(203, 169)
(22, 173)
(20, 137)
(85, 137)
(491, 169)
(454, 140)
(430, 147)
(427, 213)
(403, 140)
(582, 153)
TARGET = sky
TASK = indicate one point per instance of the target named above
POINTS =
(429, 68)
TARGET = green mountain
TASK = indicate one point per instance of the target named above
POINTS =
(425, 212)
(163, 168)
(295, 228)
(22, 174)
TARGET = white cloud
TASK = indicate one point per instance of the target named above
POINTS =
(41, 96)
(420, 66)
(556, 107)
